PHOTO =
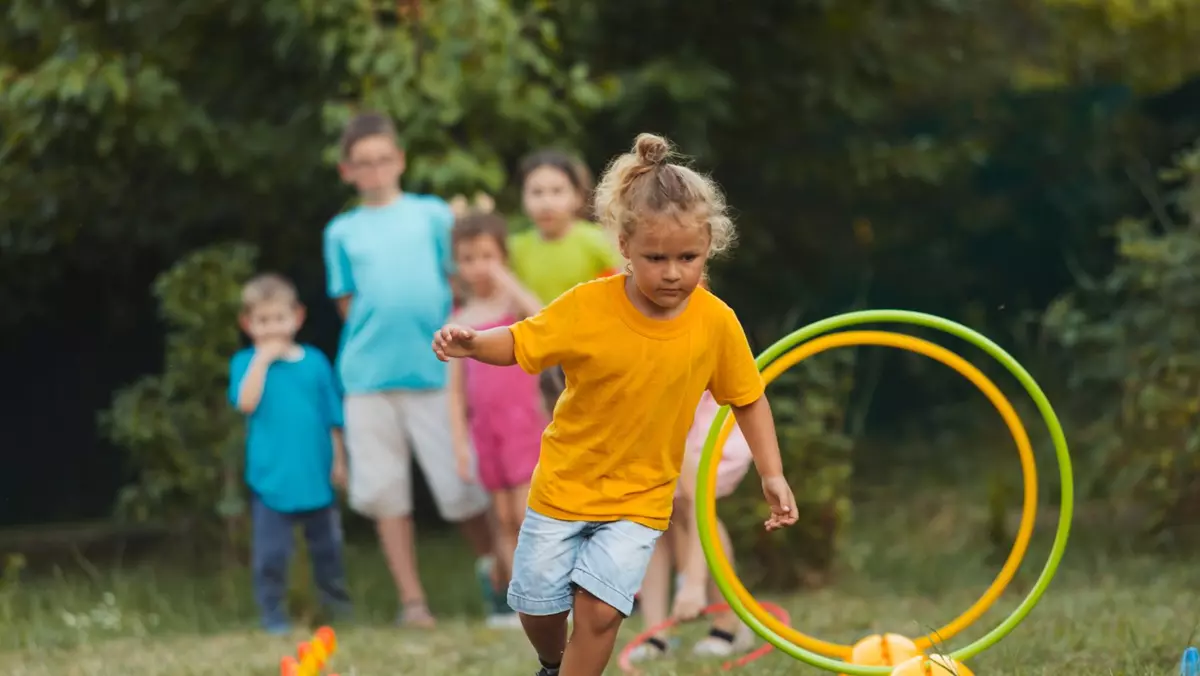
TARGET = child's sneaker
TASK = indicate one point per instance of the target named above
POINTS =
(509, 620)
(277, 628)
(483, 576)
(499, 614)
(723, 644)
(653, 649)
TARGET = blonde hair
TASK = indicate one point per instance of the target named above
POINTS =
(267, 288)
(643, 183)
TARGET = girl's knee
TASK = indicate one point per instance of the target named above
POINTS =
(508, 524)
(595, 616)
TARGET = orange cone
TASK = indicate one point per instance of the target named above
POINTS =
(329, 638)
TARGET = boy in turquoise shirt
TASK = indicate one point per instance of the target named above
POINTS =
(294, 453)
(388, 263)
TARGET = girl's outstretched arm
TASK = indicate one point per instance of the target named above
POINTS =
(494, 346)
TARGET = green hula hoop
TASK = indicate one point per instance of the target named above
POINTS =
(704, 495)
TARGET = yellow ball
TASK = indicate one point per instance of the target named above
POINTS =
(932, 665)
(883, 651)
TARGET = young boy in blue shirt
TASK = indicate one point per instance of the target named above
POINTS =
(294, 452)
(388, 264)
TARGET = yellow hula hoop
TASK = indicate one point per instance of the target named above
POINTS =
(985, 385)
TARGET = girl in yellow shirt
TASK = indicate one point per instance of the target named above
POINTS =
(638, 350)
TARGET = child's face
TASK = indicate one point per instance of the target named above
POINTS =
(667, 259)
(476, 258)
(273, 320)
(374, 167)
(551, 200)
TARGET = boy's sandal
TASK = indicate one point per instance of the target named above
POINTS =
(417, 616)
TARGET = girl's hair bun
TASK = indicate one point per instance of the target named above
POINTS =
(651, 149)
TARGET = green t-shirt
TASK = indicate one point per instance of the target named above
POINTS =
(550, 267)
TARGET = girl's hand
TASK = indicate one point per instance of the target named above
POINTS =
(783, 503)
(340, 475)
(454, 342)
(689, 602)
(505, 280)
(459, 206)
(463, 466)
(484, 203)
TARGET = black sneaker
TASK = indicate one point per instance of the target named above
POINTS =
(547, 671)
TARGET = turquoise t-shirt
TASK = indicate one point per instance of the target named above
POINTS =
(289, 448)
(395, 262)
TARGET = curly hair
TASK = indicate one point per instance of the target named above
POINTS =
(644, 183)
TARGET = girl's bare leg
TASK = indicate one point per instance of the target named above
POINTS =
(593, 638)
(726, 621)
(510, 512)
(548, 636)
(655, 596)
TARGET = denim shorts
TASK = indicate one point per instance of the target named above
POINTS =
(607, 559)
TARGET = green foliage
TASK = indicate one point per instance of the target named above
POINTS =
(142, 128)
(913, 142)
(926, 144)
(178, 429)
(810, 404)
(472, 82)
(1135, 349)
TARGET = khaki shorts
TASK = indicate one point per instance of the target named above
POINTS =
(379, 427)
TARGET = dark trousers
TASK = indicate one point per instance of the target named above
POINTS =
(272, 551)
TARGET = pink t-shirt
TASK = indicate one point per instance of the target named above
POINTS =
(506, 420)
(735, 458)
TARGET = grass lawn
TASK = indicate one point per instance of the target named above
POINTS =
(1106, 613)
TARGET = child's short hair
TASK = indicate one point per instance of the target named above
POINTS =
(267, 288)
(644, 183)
(362, 126)
(480, 224)
(576, 171)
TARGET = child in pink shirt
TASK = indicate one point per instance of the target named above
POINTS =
(497, 410)
(681, 546)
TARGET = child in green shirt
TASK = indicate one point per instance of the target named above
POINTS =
(563, 248)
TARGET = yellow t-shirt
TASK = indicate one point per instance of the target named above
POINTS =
(615, 446)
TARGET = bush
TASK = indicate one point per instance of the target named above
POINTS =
(1135, 353)
(178, 430)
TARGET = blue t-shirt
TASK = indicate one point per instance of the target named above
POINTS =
(289, 448)
(395, 262)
